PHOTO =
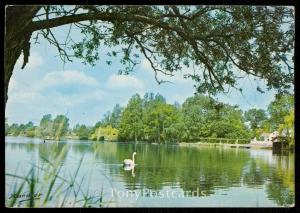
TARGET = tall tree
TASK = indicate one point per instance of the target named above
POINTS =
(279, 108)
(230, 123)
(287, 128)
(197, 116)
(115, 117)
(213, 40)
(46, 126)
(158, 118)
(60, 126)
(112, 118)
(131, 125)
(256, 117)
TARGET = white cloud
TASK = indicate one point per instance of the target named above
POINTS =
(88, 88)
(34, 61)
(117, 82)
(27, 101)
(68, 77)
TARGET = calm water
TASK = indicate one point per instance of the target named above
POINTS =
(165, 175)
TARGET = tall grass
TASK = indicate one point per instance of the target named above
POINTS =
(55, 189)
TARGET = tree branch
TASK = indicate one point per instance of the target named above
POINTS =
(110, 17)
(150, 61)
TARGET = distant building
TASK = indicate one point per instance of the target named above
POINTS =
(266, 138)
(273, 136)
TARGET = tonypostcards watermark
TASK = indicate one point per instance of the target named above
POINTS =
(168, 194)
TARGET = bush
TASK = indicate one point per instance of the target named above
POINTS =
(105, 133)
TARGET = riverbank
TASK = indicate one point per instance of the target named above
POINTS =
(183, 144)
(246, 146)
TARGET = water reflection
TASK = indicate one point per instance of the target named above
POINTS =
(51, 151)
(129, 168)
(186, 168)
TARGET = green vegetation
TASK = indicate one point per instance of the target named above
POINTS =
(151, 119)
(256, 117)
(279, 108)
(49, 186)
(105, 133)
(221, 44)
(82, 132)
(20, 130)
(288, 127)
(205, 117)
(278, 117)
(214, 40)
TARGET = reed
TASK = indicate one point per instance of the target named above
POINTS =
(49, 181)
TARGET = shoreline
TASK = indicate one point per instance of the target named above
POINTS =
(182, 144)
(231, 145)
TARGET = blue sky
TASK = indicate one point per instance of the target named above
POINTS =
(85, 93)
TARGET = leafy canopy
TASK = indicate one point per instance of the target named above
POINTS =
(216, 44)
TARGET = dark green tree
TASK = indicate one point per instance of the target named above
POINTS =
(46, 126)
(131, 125)
(230, 123)
(256, 117)
(159, 119)
(204, 117)
(113, 118)
(279, 108)
(82, 131)
(197, 115)
(116, 116)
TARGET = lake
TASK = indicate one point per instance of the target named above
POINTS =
(165, 175)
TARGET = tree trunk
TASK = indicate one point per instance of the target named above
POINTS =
(17, 37)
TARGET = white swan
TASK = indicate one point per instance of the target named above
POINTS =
(129, 162)
(129, 168)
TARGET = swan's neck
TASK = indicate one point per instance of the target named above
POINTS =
(133, 159)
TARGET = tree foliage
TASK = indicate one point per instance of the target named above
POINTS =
(82, 131)
(220, 44)
(28, 129)
(131, 126)
(158, 118)
(288, 127)
(205, 117)
(279, 108)
(46, 124)
(60, 126)
(105, 133)
(112, 118)
(277, 117)
(256, 117)
(152, 119)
